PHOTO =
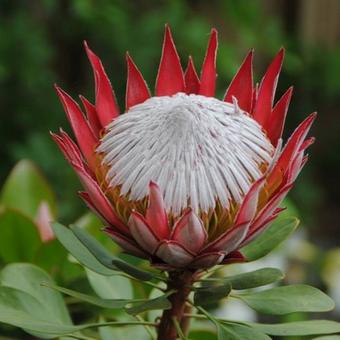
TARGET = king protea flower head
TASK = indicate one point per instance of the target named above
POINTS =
(182, 178)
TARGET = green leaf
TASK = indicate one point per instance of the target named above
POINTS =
(25, 188)
(19, 239)
(52, 257)
(105, 303)
(234, 331)
(94, 247)
(93, 225)
(161, 302)
(22, 310)
(256, 278)
(106, 258)
(78, 250)
(328, 337)
(107, 333)
(288, 299)
(28, 278)
(229, 330)
(269, 239)
(310, 327)
(110, 287)
(202, 334)
(155, 314)
(212, 294)
(120, 333)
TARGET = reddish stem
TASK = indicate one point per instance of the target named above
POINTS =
(185, 322)
(181, 282)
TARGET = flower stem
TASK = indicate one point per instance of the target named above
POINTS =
(182, 283)
(185, 322)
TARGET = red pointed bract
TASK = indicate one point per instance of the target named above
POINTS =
(192, 82)
(270, 207)
(68, 147)
(155, 214)
(170, 78)
(234, 257)
(91, 116)
(254, 98)
(261, 228)
(241, 87)
(80, 127)
(229, 241)
(275, 123)
(106, 104)
(190, 232)
(142, 232)
(87, 200)
(96, 195)
(136, 89)
(208, 75)
(207, 260)
(307, 143)
(265, 98)
(293, 145)
(295, 167)
(108, 217)
(248, 207)
(126, 243)
(174, 253)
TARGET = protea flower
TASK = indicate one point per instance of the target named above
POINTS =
(182, 178)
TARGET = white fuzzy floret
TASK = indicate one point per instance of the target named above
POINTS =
(197, 149)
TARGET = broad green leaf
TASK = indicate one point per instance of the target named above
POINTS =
(105, 303)
(208, 295)
(108, 333)
(25, 188)
(28, 278)
(21, 309)
(110, 287)
(126, 333)
(234, 331)
(19, 239)
(288, 299)
(229, 330)
(94, 247)
(256, 278)
(92, 224)
(155, 314)
(269, 239)
(78, 250)
(310, 327)
(13, 298)
(328, 337)
(53, 258)
(133, 270)
(106, 258)
(161, 302)
(197, 334)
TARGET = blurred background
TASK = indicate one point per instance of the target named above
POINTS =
(41, 44)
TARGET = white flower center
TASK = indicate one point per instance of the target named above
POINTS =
(197, 149)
